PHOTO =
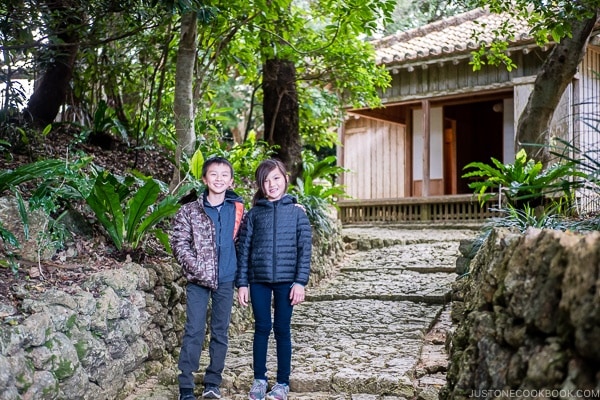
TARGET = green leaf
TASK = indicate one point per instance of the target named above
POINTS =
(196, 163)
(28, 172)
(47, 129)
(138, 205)
(104, 201)
(23, 213)
(163, 238)
(155, 217)
(8, 237)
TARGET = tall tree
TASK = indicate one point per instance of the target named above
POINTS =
(556, 73)
(568, 25)
(304, 43)
(281, 112)
(183, 101)
(206, 32)
(64, 22)
(279, 80)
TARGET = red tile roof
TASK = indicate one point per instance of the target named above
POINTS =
(448, 38)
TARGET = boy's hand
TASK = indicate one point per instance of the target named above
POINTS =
(297, 294)
(243, 296)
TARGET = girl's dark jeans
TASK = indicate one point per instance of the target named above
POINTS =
(260, 297)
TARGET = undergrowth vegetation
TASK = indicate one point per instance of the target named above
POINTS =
(130, 209)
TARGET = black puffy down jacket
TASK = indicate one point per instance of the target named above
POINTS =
(275, 244)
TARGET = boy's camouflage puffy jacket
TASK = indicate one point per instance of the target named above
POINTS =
(194, 245)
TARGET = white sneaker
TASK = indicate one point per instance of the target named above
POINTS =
(279, 392)
(258, 390)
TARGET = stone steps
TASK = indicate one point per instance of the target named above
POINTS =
(369, 332)
(374, 330)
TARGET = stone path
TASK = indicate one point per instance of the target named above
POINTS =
(374, 331)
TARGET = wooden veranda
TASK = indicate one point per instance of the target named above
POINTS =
(447, 209)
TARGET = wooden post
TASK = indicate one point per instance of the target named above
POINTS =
(426, 146)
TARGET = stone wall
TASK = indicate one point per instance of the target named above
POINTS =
(98, 340)
(527, 318)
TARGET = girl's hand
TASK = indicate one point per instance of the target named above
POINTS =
(297, 294)
(243, 296)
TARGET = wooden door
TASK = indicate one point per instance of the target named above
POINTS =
(450, 163)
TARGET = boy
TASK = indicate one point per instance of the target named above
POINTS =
(203, 243)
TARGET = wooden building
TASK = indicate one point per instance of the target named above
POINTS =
(406, 159)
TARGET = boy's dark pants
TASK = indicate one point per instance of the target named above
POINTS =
(195, 330)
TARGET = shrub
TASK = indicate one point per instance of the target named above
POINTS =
(524, 182)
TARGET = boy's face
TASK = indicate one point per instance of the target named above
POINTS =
(218, 178)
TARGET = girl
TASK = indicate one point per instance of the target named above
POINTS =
(274, 251)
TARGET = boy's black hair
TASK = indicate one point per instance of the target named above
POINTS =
(193, 194)
(216, 160)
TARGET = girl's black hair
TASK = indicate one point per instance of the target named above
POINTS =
(262, 171)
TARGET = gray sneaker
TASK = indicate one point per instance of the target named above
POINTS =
(258, 390)
(279, 392)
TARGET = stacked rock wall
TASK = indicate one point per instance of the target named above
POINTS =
(93, 340)
(527, 318)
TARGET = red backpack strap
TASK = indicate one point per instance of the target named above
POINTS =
(239, 214)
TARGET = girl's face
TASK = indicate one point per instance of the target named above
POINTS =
(274, 185)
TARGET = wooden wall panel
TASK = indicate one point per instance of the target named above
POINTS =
(589, 107)
(381, 163)
(352, 159)
(397, 170)
(374, 152)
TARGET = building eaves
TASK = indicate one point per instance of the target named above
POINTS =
(448, 39)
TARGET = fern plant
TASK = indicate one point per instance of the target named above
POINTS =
(587, 162)
(43, 169)
(129, 212)
(549, 217)
(317, 190)
(55, 179)
(523, 182)
(319, 178)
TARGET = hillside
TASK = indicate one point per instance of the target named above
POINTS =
(92, 252)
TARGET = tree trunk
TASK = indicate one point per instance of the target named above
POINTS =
(51, 89)
(556, 73)
(183, 102)
(281, 113)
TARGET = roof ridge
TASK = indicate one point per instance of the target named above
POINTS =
(429, 28)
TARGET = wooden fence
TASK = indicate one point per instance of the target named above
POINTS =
(455, 208)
